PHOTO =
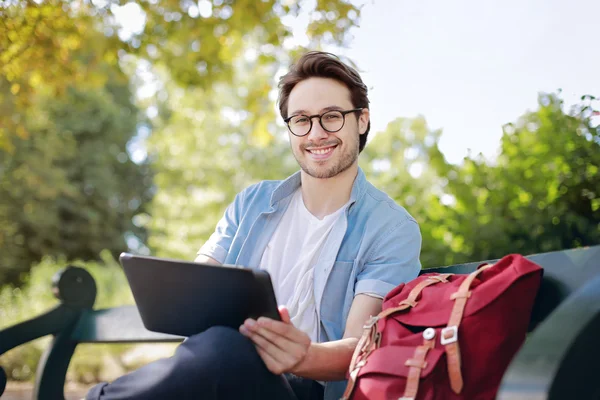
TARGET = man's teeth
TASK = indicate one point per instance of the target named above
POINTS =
(321, 151)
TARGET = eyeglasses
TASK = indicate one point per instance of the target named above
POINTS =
(330, 121)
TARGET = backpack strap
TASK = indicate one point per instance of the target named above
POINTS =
(411, 300)
(416, 364)
(371, 339)
(449, 336)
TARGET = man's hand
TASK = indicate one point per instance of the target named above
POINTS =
(285, 348)
(279, 343)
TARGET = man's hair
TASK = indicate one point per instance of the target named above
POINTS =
(325, 65)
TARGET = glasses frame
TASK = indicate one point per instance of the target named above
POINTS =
(320, 116)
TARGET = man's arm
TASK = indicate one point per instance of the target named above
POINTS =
(329, 361)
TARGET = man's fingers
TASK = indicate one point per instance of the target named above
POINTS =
(283, 329)
(281, 342)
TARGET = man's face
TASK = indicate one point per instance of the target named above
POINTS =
(323, 154)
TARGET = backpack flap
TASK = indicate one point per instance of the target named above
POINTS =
(433, 307)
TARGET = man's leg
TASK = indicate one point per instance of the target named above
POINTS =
(219, 363)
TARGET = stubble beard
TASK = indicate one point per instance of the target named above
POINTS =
(345, 161)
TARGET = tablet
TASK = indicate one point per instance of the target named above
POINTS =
(185, 298)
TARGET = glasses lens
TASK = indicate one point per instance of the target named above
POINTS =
(332, 121)
(300, 125)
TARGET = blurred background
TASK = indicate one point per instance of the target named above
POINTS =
(129, 126)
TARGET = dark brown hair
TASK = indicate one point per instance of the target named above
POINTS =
(325, 65)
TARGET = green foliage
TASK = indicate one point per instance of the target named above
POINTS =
(71, 188)
(41, 47)
(548, 173)
(540, 195)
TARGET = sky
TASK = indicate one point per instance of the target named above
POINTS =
(468, 67)
(471, 66)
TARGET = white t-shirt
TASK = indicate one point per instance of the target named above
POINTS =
(290, 256)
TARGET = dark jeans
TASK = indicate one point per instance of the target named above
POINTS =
(219, 363)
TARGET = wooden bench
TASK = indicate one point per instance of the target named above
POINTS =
(558, 361)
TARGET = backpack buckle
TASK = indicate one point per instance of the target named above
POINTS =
(449, 335)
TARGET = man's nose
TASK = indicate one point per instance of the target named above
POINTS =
(317, 131)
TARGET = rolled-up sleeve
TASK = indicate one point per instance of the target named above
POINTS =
(393, 260)
(217, 246)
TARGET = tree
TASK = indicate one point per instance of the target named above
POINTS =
(41, 47)
(540, 195)
(548, 171)
(71, 189)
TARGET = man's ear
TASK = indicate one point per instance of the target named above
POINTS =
(363, 121)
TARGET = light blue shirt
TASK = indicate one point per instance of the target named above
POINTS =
(371, 249)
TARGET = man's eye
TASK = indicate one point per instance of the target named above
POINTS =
(300, 120)
(332, 117)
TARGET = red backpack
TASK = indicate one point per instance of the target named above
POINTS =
(445, 336)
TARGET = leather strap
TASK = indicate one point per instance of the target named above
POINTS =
(415, 366)
(368, 342)
(370, 339)
(411, 299)
(449, 336)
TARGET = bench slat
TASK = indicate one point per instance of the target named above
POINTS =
(116, 325)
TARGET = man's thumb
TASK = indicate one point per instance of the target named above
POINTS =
(285, 314)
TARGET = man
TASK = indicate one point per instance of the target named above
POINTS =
(333, 244)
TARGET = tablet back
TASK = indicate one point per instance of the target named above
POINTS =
(184, 298)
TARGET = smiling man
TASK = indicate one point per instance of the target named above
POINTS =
(333, 244)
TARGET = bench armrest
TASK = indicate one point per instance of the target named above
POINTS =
(49, 323)
(559, 359)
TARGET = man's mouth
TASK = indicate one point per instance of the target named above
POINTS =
(321, 151)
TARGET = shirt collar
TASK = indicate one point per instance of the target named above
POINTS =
(289, 186)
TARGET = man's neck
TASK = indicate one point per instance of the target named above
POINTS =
(325, 196)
